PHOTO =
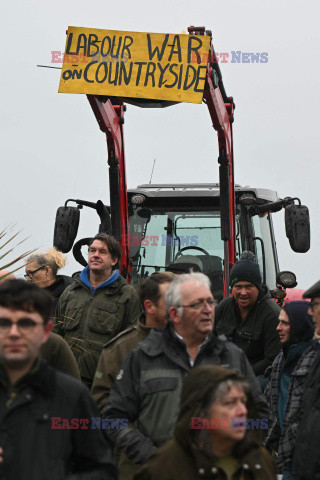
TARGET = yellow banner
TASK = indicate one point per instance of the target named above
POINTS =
(135, 64)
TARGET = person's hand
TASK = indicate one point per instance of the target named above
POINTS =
(1, 452)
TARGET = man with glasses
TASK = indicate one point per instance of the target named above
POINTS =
(148, 387)
(249, 317)
(38, 403)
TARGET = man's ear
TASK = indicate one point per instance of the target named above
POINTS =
(114, 261)
(47, 331)
(174, 314)
(148, 306)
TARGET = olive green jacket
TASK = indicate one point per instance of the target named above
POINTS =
(88, 319)
(57, 353)
(112, 358)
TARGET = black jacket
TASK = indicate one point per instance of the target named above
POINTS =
(256, 335)
(33, 450)
(306, 456)
(57, 288)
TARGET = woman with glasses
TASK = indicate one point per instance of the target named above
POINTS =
(216, 435)
(42, 269)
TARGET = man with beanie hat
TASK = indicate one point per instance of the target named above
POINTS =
(287, 379)
(249, 317)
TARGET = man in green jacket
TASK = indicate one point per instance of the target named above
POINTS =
(97, 306)
(250, 317)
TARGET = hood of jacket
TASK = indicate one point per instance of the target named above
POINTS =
(114, 285)
(301, 324)
(196, 390)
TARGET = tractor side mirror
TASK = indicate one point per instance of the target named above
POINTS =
(297, 223)
(66, 228)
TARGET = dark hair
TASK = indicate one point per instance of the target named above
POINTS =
(21, 295)
(148, 288)
(113, 246)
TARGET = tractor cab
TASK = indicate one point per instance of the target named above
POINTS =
(178, 227)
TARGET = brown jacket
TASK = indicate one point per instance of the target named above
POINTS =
(174, 462)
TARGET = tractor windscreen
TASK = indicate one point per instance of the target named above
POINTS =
(176, 239)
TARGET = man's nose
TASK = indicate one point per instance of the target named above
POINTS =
(310, 312)
(14, 331)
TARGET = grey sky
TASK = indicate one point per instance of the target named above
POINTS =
(52, 148)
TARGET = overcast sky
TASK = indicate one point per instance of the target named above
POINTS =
(52, 148)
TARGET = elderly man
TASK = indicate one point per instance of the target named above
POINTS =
(97, 306)
(149, 385)
(305, 464)
(38, 404)
(250, 317)
(286, 380)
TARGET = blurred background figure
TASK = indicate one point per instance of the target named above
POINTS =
(6, 275)
(42, 269)
(215, 436)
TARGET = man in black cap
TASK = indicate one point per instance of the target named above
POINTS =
(305, 463)
(286, 380)
(249, 317)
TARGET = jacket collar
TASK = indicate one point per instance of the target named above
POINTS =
(250, 461)
(161, 339)
(117, 283)
(40, 377)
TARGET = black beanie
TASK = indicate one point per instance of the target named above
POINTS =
(245, 271)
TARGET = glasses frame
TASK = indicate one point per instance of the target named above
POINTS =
(200, 304)
(29, 329)
(31, 273)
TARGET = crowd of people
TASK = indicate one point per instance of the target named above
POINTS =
(99, 380)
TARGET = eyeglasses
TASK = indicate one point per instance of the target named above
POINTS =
(32, 272)
(314, 304)
(24, 325)
(200, 304)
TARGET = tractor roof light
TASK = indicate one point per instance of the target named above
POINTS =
(247, 199)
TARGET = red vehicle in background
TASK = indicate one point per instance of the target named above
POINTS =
(208, 225)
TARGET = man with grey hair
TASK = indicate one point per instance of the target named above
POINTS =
(148, 387)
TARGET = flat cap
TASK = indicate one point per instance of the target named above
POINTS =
(313, 291)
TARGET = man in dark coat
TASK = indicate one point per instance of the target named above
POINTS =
(250, 317)
(45, 415)
(286, 381)
(306, 456)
